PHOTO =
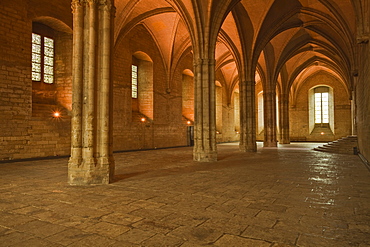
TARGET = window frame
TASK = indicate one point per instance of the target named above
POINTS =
(45, 33)
(134, 83)
(322, 111)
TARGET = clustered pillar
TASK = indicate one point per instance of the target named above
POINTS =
(269, 96)
(284, 118)
(205, 149)
(91, 159)
(353, 113)
(247, 117)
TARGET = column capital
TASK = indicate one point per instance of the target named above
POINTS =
(105, 2)
(203, 61)
(106, 5)
(269, 92)
(92, 2)
(75, 4)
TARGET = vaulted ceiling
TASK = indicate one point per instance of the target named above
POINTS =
(285, 41)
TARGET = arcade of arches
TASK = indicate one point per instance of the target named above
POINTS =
(145, 74)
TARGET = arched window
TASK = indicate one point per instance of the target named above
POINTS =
(321, 105)
(188, 95)
(44, 88)
(51, 43)
(42, 54)
(219, 101)
(142, 84)
(134, 71)
(237, 111)
(260, 116)
(321, 108)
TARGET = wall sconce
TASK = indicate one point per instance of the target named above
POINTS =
(188, 122)
(143, 119)
(56, 114)
(322, 133)
(218, 132)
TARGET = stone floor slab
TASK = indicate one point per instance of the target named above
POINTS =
(236, 241)
(285, 196)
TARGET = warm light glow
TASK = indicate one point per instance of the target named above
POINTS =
(189, 122)
(237, 132)
(322, 133)
(143, 119)
(56, 114)
(217, 132)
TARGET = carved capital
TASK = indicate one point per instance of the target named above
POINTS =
(75, 4)
(363, 39)
(105, 2)
(92, 2)
(107, 5)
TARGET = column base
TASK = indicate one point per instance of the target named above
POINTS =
(248, 148)
(81, 178)
(109, 164)
(90, 174)
(270, 144)
(205, 156)
(284, 142)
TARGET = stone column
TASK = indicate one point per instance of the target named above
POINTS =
(269, 97)
(284, 118)
(353, 114)
(205, 149)
(77, 73)
(105, 96)
(247, 116)
(89, 86)
(91, 159)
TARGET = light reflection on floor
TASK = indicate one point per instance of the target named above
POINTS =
(285, 196)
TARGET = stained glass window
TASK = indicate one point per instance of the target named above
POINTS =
(134, 72)
(42, 58)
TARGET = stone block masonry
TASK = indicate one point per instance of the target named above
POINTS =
(22, 134)
(363, 101)
(15, 77)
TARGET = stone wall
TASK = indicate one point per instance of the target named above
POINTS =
(167, 128)
(28, 128)
(363, 101)
(299, 110)
(15, 79)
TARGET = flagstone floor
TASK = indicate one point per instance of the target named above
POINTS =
(285, 196)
